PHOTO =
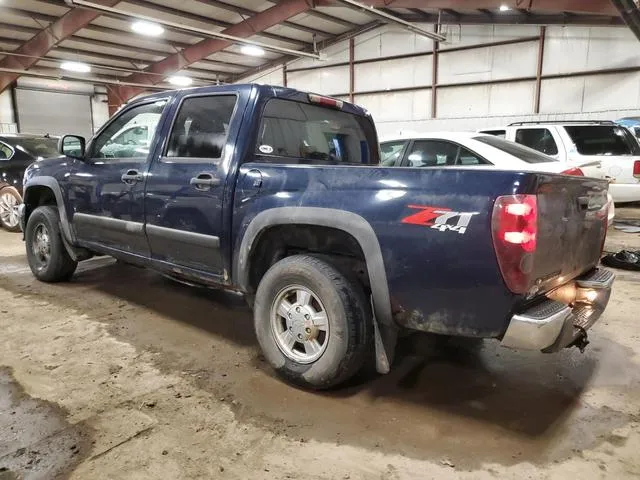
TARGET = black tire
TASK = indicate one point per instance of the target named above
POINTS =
(349, 318)
(9, 220)
(58, 265)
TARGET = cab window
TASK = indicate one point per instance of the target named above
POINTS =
(539, 139)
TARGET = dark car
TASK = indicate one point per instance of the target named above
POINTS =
(17, 152)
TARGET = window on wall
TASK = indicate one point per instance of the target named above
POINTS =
(539, 139)
(201, 127)
(304, 133)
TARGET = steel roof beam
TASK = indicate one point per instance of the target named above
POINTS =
(195, 53)
(46, 39)
(515, 19)
(389, 17)
(249, 13)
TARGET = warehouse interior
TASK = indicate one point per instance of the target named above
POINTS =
(123, 372)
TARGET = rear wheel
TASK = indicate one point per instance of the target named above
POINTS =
(10, 199)
(313, 324)
(47, 256)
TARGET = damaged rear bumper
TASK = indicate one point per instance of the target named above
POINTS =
(553, 325)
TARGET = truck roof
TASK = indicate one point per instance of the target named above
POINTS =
(264, 90)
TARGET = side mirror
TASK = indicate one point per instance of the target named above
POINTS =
(72, 146)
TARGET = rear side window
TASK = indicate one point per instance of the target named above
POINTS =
(440, 153)
(539, 139)
(525, 154)
(391, 152)
(5, 152)
(201, 127)
(312, 134)
(602, 140)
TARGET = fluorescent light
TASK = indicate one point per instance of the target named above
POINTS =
(504, 8)
(252, 50)
(147, 28)
(180, 80)
(75, 67)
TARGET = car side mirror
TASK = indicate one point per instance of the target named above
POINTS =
(72, 146)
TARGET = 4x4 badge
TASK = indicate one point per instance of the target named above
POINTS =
(438, 218)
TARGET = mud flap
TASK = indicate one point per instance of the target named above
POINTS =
(385, 338)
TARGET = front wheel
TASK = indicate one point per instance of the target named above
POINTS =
(313, 324)
(47, 256)
(10, 200)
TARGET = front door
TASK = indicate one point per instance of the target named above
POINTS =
(107, 188)
(185, 189)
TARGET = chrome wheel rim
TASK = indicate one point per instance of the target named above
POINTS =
(299, 324)
(41, 245)
(9, 210)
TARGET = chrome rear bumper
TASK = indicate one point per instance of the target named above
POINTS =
(552, 325)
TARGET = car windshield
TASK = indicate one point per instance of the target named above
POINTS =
(525, 154)
(603, 140)
(38, 146)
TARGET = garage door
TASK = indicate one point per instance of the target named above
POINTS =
(41, 111)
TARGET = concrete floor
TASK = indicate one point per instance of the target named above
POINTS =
(124, 374)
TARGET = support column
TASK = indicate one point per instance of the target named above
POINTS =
(536, 106)
(351, 68)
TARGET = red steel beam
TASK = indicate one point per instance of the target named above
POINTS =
(194, 53)
(604, 7)
(38, 45)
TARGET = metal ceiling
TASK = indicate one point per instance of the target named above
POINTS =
(203, 37)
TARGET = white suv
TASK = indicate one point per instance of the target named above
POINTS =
(603, 149)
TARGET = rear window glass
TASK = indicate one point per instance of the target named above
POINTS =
(308, 133)
(39, 146)
(602, 140)
(525, 154)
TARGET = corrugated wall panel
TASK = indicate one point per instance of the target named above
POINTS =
(390, 41)
(472, 101)
(390, 107)
(603, 92)
(562, 95)
(328, 81)
(393, 74)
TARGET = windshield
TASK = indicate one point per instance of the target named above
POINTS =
(525, 154)
(603, 140)
(38, 146)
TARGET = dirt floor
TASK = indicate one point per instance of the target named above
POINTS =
(122, 374)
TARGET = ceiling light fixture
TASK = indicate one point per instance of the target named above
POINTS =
(147, 28)
(504, 8)
(252, 50)
(75, 67)
(180, 80)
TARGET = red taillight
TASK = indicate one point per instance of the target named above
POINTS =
(574, 171)
(515, 228)
(326, 101)
(636, 169)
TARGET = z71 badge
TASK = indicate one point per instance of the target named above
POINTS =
(439, 218)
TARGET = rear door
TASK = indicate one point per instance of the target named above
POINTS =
(185, 190)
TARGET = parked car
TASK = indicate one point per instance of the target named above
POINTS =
(17, 151)
(464, 149)
(632, 123)
(279, 195)
(613, 149)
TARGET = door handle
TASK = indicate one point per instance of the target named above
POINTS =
(204, 181)
(131, 177)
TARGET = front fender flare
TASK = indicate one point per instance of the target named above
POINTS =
(54, 186)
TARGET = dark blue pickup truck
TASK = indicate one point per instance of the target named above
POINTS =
(279, 195)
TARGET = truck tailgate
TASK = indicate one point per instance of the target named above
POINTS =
(572, 223)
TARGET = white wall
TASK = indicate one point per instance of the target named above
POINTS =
(7, 120)
(503, 76)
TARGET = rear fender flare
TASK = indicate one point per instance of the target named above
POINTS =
(358, 228)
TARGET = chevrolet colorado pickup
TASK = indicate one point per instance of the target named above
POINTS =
(279, 195)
